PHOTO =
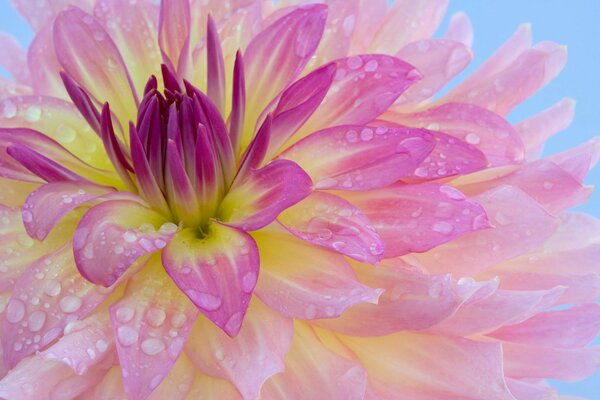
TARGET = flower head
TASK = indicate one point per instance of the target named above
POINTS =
(243, 200)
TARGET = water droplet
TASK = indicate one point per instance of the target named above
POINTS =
(33, 114)
(127, 335)
(452, 193)
(472, 138)
(249, 281)
(124, 314)
(129, 236)
(70, 304)
(178, 320)
(36, 321)
(348, 25)
(156, 317)
(354, 62)
(101, 345)
(9, 110)
(234, 322)
(152, 346)
(168, 228)
(371, 66)
(548, 185)
(207, 301)
(421, 172)
(443, 227)
(53, 288)
(27, 216)
(15, 311)
(352, 136)
(65, 134)
(366, 134)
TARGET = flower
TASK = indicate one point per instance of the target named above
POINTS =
(242, 200)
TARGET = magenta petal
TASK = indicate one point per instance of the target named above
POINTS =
(151, 324)
(363, 88)
(217, 270)
(113, 235)
(45, 206)
(49, 295)
(416, 218)
(287, 44)
(257, 199)
(330, 221)
(301, 281)
(358, 157)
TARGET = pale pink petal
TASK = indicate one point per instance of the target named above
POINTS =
(49, 295)
(14, 58)
(438, 61)
(208, 388)
(359, 157)
(548, 328)
(416, 218)
(178, 383)
(535, 130)
(89, 56)
(412, 300)
(249, 359)
(502, 91)
(520, 225)
(363, 88)
(151, 324)
(41, 12)
(580, 160)
(140, 51)
(84, 344)
(9, 88)
(217, 270)
(368, 20)
(531, 390)
(400, 26)
(44, 65)
(278, 54)
(33, 379)
(112, 235)
(487, 131)
(460, 29)
(330, 221)
(257, 199)
(45, 206)
(301, 281)
(313, 371)
(431, 366)
(530, 361)
(504, 307)
(544, 181)
(174, 32)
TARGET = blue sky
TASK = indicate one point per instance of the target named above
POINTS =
(573, 23)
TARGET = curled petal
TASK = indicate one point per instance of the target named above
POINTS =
(48, 204)
(251, 358)
(330, 221)
(257, 199)
(357, 157)
(417, 218)
(460, 29)
(300, 281)
(217, 269)
(151, 324)
(112, 235)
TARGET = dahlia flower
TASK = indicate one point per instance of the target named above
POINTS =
(209, 199)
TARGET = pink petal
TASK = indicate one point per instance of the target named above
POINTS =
(301, 281)
(84, 344)
(504, 307)
(178, 384)
(206, 387)
(460, 29)
(487, 131)
(287, 45)
(48, 296)
(330, 221)
(45, 206)
(14, 58)
(520, 225)
(580, 160)
(412, 300)
(249, 359)
(38, 14)
(309, 369)
(33, 379)
(543, 180)
(151, 324)
(368, 20)
(400, 26)
(112, 235)
(456, 368)
(358, 157)
(530, 361)
(174, 31)
(531, 390)
(438, 61)
(363, 88)
(88, 55)
(416, 218)
(140, 50)
(44, 65)
(536, 130)
(217, 270)
(548, 328)
(257, 199)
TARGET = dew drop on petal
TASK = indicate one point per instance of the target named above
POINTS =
(156, 317)
(124, 314)
(207, 301)
(36, 321)
(249, 281)
(472, 138)
(70, 304)
(53, 288)
(15, 311)
(443, 227)
(152, 346)
(33, 114)
(127, 335)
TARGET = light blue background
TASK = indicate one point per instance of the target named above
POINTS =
(575, 23)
